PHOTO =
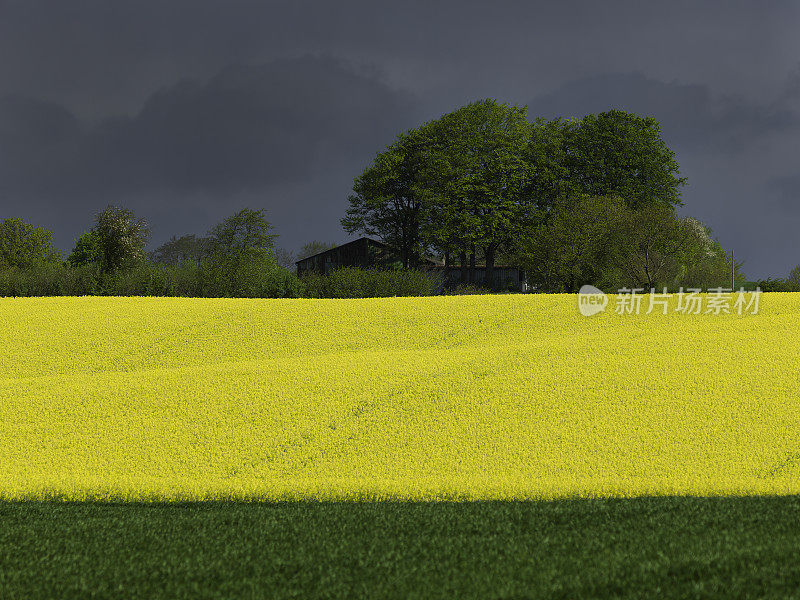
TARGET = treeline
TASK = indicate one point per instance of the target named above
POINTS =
(237, 258)
(571, 202)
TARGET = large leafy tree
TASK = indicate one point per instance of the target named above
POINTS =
(386, 199)
(187, 248)
(245, 231)
(656, 244)
(240, 249)
(600, 240)
(24, 245)
(122, 238)
(475, 177)
(577, 243)
(548, 180)
(619, 153)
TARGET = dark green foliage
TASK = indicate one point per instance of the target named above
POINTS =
(474, 179)
(56, 279)
(619, 153)
(352, 282)
(88, 249)
(25, 246)
(256, 276)
(789, 284)
(578, 241)
(122, 238)
(149, 279)
(239, 259)
(187, 248)
(481, 177)
(386, 200)
(778, 285)
(604, 242)
(794, 275)
(239, 233)
(674, 547)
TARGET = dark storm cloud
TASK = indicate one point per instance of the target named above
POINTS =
(247, 128)
(38, 143)
(787, 192)
(693, 119)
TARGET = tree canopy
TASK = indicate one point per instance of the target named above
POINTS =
(242, 232)
(25, 246)
(240, 253)
(480, 178)
(474, 175)
(181, 249)
(87, 250)
(386, 199)
(122, 238)
(618, 153)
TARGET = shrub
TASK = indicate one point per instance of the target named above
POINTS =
(255, 275)
(352, 282)
(55, 279)
(149, 279)
(778, 285)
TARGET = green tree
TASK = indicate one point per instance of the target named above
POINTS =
(238, 234)
(25, 246)
(386, 199)
(87, 250)
(577, 242)
(618, 153)
(474, 177)
(187, 248)
(549, 177)
(122, 237)
(794, 276)
(657, 247)
(705, 264)
(602, 241)
(240, 253)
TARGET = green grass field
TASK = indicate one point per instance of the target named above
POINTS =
(668, 547)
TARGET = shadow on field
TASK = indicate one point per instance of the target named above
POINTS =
(668, 547)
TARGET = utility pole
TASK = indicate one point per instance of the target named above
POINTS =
(733, 272)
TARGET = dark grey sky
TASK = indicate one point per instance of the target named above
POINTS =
(186, 111)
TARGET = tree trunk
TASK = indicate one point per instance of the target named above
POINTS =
(462, 259)
(489, 281)
(446, 270)
(472, 264)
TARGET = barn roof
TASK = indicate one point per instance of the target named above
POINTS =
(370, 240)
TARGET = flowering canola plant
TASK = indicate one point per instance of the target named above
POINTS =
(454, 397)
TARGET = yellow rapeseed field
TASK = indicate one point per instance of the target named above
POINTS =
(459, 397)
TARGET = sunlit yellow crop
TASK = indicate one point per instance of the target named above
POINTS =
(464, 397)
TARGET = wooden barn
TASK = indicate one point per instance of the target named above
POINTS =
(366, 252)
(363, 253)
(506, 278)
